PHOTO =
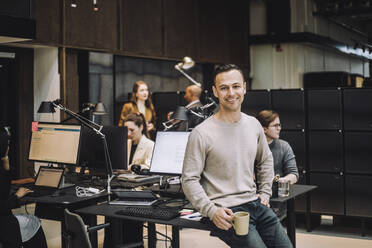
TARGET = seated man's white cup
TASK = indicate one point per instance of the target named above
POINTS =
(241, 223)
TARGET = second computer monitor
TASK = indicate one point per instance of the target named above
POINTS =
(168, 154)
(92, 152)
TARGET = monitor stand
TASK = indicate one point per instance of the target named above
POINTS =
(65, 185)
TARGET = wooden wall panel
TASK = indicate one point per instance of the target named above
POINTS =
(180, 27)
(213, 24)
(25, 109)
(141, 27)
(69, 87)
(48, 21)
(84, 27)
(238, 23)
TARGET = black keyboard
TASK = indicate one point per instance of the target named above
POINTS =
(37, 191)
(149, 212)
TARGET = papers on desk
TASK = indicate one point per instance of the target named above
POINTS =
(194, 216)
(138, 178)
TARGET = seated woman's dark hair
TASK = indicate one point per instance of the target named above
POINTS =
(138, 119)
(265, 117)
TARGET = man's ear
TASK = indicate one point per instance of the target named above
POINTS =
(214, 90)
(245, 87)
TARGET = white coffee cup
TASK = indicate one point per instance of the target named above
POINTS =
(241, 223)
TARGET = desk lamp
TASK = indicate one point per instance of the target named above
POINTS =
(179, 115)
(186, 63)
(50, 106)
(99, 110)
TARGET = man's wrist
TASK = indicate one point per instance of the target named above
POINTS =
(5, 158)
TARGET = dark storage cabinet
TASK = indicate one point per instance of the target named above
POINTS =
(324, 109)
(328, 198)
(358, 152)
(296, 140)
(358, 109)
(325, 151)
(255, 101)
(291, 107)
(358, 196)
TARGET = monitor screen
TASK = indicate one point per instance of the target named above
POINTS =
(169, 151)
(91, 149)
(55, 143)
(49, 176)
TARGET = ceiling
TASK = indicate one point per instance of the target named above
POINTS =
(354, 13)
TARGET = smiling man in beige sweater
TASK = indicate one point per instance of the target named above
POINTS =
(218, 170)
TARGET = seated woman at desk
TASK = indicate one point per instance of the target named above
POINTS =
(142, 146)
(15, 230)
(284, 159)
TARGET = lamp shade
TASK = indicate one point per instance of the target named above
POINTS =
(99, 109)
(180, 114)
(46, 107)
(187, 63)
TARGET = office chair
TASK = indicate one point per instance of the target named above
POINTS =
(77, 233)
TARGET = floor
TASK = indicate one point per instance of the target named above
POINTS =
(325, 236)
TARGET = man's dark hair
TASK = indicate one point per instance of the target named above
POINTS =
(225, 68)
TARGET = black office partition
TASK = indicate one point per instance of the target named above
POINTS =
(255, 101)
(325, 151)
(296, 140)
(324, 109)
(358, 196)
(358, 109)
(358, 152)
(290, 105)
(164, 102)
(328, 198)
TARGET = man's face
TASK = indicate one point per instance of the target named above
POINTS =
(188, 95)
(230, 88)
(273, 130)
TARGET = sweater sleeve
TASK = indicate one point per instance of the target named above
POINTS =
(265, 167)
(193, 167)
(7, 202)
(289, 161)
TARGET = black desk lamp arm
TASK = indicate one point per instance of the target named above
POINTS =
(97, 128)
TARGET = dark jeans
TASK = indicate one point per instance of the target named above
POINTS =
(265, 229)
(38, 240)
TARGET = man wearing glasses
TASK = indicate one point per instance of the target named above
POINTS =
(284, 159)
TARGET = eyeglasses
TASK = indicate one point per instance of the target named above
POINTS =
(278, 125)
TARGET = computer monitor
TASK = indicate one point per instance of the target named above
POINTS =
(55, 143)
(168, 154)
(91, 150)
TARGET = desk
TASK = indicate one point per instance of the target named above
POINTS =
(52, 208)
(294, 190)
(109, 211)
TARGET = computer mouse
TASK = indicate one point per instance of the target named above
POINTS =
(145, 172)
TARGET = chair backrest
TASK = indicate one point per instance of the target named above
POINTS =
(76, 231)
